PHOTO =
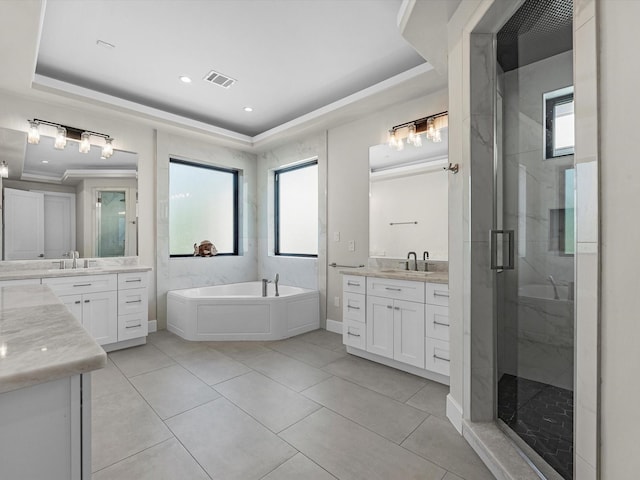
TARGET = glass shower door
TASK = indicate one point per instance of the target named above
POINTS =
(112, 223)
(533, 244)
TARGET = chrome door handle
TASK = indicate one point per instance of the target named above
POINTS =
(133, 326)
(440, 294)
(353, 308)
(440, 358)
(134, 301)
(353, 284)
(393, 289)
(440, 323)
(353, 334)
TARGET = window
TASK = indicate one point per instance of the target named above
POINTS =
(559, 121)
(296, 210)
(203, 205)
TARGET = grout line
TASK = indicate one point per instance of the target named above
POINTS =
(134, 454)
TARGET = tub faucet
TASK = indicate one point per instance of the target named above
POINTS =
(415, 261)
(264, 286)
(275, 282)
(555, 287)
(425, 257)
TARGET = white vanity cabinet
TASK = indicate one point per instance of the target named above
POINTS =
(437, 329)
(395, 321)
(354, 311)
(93, 301)
(133, 306)
(401, 323)
(24, 281)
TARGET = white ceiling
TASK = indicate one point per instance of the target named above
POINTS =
(289, 57)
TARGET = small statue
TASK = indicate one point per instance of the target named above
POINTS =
(205, 249)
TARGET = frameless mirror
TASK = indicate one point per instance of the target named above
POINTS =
(55, 201)
(408, 200)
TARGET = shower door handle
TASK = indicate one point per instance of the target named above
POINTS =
(498, 239)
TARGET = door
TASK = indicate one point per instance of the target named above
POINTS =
(380, 326)
(23, 225)
(59, 223)
(74, 304)
(408, 332)
(99, 316)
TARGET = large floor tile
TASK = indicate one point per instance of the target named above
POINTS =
(383, 415)
(322, 338)
(211, 366)
(142, 359)
(123, 425)
(452, 476)
(172, 344)
(286, 370)
(273, 405)
(108, 380)
(165, 461)
(172, 390)
(306, 352)
(379, 378)
(299, 468)
(438, 441)
(432, 399)
(228, 443)
(240, 351)
(349, 451)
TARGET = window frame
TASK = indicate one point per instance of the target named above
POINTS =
(236, 206)
(276, 204)
(551, 100)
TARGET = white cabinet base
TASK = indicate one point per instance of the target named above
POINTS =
(389, 362)
(134, 342)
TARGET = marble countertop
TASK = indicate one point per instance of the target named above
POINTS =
(70, 272)
(398, 274)
(40, 340)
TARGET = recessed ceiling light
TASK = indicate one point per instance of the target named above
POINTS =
(107, 45)
(248, 109)
(185, 79)
(45, 161)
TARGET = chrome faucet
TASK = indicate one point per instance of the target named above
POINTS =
(555, 287)
(264, 286)
(425, 257)
(275, 281)
(75, 256)
(415, 261)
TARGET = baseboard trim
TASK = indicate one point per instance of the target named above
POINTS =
(153, 326)
(334, 326)
(454, 413)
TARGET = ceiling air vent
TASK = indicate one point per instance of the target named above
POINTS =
(219, 79)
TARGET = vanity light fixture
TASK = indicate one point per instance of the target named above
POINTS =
(430, 125)
(65, 132)
(33, 135)
(4, 169)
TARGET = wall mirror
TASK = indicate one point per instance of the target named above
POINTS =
(408, 200)
(55, 201)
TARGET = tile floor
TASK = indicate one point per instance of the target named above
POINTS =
(298, 409)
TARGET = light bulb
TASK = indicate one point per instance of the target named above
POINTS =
(33, 136)
(437, 138)
(107, 150)
(399, 144)
(411, 138)
(61, 138)
(4, 169)
(392, 138)
(431, 129)
(85, 142)
(417, 141)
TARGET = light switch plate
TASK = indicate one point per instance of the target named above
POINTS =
(352, 245)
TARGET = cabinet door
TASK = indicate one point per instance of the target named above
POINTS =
(408, 332)
(74, 304)
(99, 316)
(380, 326)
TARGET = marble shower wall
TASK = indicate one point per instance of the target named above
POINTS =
(176, 273)
(296, 271)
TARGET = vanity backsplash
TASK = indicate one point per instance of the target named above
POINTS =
(396, 263)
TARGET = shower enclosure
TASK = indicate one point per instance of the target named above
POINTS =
(532, 242)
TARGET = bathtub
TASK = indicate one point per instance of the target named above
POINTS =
(238, 311)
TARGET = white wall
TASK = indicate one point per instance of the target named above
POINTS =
(348, 184)
(619, 105)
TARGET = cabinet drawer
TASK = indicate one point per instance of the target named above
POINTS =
(354, 284)
(17, 282)
(354, 306)
(132, 326)
(438, 322)
(437, 356)
(132, 301)
(438, 294)
(132, 280)
(82, 284)
(396, 289)
(354, 334)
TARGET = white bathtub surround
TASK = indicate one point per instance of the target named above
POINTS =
(240, 312)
